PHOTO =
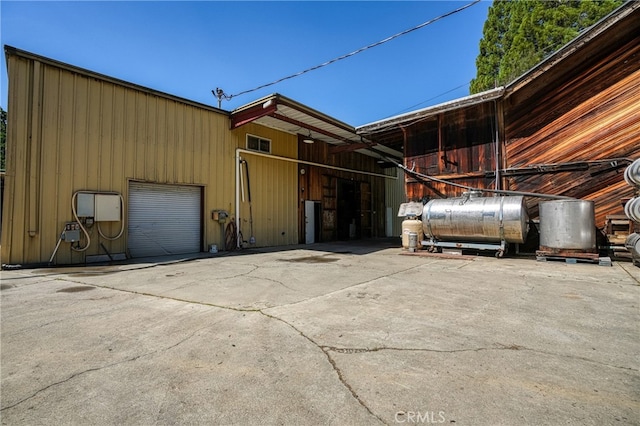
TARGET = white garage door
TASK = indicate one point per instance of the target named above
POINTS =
(163, 219)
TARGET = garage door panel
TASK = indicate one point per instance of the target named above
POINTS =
(163, 219)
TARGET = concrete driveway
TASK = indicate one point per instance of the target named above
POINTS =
(347, 334)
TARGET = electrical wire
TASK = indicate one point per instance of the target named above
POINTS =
(75, 216)
(220, 93)
(427, 100)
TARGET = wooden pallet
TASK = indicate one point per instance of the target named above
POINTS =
(573, 257)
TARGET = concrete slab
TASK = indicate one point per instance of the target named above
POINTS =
(322, 334)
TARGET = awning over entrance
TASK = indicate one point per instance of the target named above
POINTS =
(281, 113)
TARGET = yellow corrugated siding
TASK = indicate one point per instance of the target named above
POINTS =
(71, 132)
(274, 189)
(394, 196)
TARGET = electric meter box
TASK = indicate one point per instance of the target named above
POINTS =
(107, 208)
(71, 232)
(86, 205)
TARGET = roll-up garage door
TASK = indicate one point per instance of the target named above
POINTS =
(163, 219)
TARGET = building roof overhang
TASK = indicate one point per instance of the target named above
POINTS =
(284, 114)
(619, 26)
(614, 29)
(425, 113)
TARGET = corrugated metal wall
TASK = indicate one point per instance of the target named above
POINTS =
(274, 189)
(69, 131)
(394, 196)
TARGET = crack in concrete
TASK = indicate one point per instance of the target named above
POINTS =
(325, 349)
(256, 267)
(629, 273)
(335, 367)
(389, 348)
(260, 311)
(499, 347)
(244, 274)
(308, 299)
(89, 370)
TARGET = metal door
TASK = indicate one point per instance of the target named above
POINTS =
(164, 219)
(309, 222)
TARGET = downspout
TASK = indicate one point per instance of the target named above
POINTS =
(497, 140)
(34, 147)
(238, 160)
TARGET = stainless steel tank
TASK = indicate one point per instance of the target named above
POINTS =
(567, 224)
(632, 244)
(632, 209)
(476, 218)
(632, 174)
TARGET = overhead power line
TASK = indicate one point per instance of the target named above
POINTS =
(430, 99)
(219, 93)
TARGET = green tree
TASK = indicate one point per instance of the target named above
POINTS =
(518, 34)
(3, 136)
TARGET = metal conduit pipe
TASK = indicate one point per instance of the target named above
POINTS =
(470, 188)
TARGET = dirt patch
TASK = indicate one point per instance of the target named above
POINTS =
(312, 259)
(76, 289)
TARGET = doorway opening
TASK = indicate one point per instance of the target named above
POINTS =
(348, 212)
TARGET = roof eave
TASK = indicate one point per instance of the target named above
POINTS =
(571, 47)
(13, 51)
(421, 114)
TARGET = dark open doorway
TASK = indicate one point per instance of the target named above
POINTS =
(348, 211)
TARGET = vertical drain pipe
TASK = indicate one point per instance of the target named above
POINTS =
(238, 159)
(497, 139)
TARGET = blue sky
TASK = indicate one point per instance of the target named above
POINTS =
(189, 48)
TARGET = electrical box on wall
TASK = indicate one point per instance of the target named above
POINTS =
(220, 215)
(71, 232)
(107, 208)
(86, 205)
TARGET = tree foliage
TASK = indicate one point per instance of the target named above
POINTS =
(518, 34)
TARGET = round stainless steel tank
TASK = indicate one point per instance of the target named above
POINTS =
(632, 244)
(632, 209)
(632, 173)
(567, 224)
(476, 218)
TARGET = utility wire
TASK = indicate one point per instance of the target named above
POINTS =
(219, 93)
(430, 99)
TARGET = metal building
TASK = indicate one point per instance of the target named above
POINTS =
(100, 168)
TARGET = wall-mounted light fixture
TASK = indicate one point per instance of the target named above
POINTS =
(308, 139)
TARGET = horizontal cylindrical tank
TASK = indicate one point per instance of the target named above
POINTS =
(476, 218)
(632, 209)
(409, 226)
(633, 244)
(632, 173)
(567, 224)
